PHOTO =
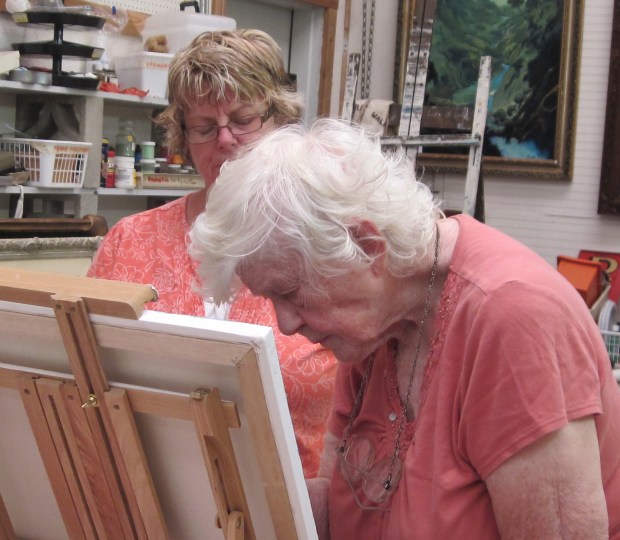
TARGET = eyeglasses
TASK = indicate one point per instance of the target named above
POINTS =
(244, 125)
(378, 480)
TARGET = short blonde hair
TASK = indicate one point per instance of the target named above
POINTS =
(244, 63)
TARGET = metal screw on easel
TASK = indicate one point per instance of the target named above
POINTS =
(91, 401)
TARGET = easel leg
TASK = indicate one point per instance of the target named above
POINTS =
(52, 460)
(130, 445)
(83, 354)
(6, 528)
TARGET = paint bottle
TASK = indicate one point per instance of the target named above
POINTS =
(125, 172)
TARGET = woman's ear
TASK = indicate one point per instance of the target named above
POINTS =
(368, 236)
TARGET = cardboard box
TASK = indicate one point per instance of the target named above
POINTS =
(172, 181)
(144, 70)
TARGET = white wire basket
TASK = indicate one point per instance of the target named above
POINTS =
(612, 342)
(51, 164)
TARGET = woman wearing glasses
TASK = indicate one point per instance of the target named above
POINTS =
(474, 396)
(226, 90)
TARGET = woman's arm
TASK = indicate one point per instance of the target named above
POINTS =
(552, 489)
(318, 488)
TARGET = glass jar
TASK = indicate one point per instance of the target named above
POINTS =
(125, 138)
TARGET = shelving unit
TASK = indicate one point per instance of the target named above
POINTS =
(28, 190)
(147, 102)
(167, 193)
(93, 109)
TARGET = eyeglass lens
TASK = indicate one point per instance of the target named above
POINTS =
(237, 126)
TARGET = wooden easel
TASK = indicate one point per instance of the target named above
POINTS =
(85, 428)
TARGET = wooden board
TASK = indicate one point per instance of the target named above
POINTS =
(101, 297)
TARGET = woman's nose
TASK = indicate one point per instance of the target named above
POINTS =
(225, 138)
(289, 320)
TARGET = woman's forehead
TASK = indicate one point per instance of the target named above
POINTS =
(214, 96)
(272, 273)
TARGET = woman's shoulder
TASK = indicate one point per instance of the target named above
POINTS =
(171, 212)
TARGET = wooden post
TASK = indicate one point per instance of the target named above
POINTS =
(122, 421)
(217, 449)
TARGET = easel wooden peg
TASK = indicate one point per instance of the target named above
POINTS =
(235, 526)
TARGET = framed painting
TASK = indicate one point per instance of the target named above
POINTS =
(535, 48)
(609, 193)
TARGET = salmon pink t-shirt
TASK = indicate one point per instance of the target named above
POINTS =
(151, 248)
(515, 355)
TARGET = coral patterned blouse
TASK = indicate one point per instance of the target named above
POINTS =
(150, 248)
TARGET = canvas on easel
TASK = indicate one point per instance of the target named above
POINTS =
(123, 423)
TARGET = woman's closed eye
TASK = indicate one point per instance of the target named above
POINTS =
(245, 120)
(294, 296)
(207, 129)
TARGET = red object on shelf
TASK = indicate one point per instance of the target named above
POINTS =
(611, 267)
(116, 89)
(110, 87)
(111, 172)
(586, 276)
(133, 91)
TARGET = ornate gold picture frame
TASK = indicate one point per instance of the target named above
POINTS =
(531, 125)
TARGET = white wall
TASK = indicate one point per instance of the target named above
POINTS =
(551, 217)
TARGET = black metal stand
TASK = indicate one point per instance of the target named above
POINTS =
(58, 47)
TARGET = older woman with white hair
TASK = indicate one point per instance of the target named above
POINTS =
(474, 395)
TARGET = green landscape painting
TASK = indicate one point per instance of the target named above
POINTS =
(524, 39)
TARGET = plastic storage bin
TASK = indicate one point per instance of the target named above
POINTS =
(52, 164)
(146, 71)
(612, 342)
(180, 27)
